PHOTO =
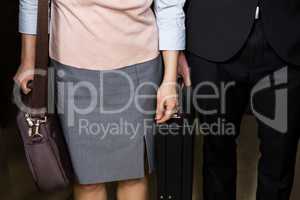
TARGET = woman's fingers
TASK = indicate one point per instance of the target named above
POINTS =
(166, 101)
(165, 109)
(23, 78)
(24, 86)
(170, 109)
(159, 110)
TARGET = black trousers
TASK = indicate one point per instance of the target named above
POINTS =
(222, 93)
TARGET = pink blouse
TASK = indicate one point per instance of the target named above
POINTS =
(108, 34)
(103, 34)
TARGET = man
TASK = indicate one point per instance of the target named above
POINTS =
(243, 52)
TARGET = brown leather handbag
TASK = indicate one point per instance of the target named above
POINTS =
(45, 148)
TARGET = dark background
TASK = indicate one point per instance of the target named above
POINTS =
(10, 48)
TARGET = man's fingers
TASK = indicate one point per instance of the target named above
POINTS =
(184, 69)
(187, 79)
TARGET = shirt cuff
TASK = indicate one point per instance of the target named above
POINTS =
(171, 40)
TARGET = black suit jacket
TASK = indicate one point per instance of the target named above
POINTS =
(217, 29)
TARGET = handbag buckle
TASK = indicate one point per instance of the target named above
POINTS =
(34, 125)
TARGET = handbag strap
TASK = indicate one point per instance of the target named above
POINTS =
(40, 81)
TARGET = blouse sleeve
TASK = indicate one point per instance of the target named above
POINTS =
(28, 16)
(171, 24)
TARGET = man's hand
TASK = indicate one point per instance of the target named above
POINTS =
(184, 70)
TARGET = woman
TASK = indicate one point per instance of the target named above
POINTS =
(106, 57)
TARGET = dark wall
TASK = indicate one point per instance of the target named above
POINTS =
(9, 59)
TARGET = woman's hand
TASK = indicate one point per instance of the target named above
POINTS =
(23, 77)
(184, 69)
(167, 93)
(167, 101)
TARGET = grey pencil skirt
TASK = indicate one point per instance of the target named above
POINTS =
(108, 119)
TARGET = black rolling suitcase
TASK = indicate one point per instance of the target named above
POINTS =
(175, 153)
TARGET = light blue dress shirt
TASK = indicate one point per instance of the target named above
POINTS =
(170, 19)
